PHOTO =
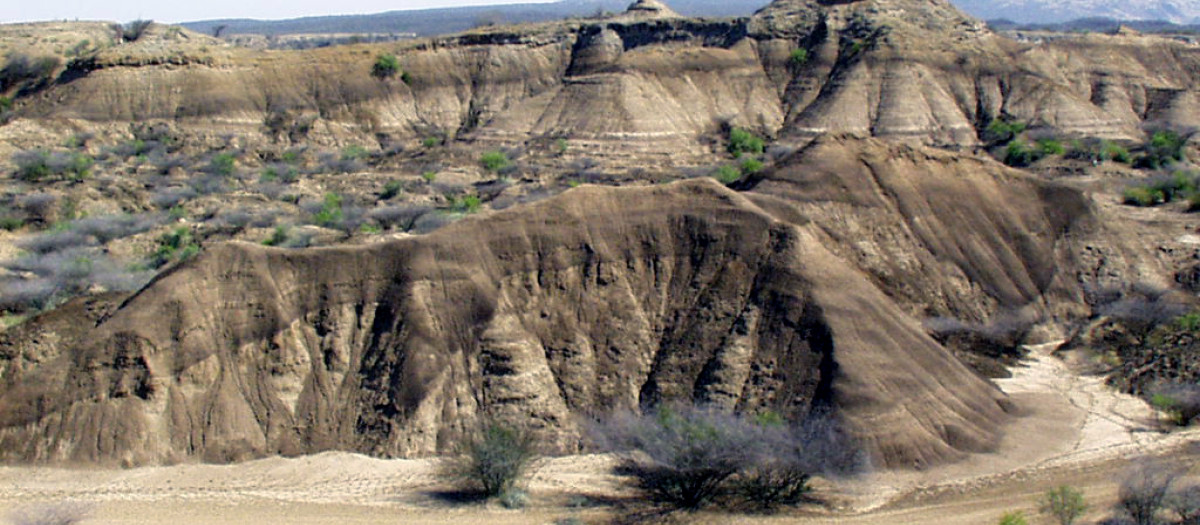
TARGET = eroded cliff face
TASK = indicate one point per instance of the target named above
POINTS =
(600, 298)
(664, 85)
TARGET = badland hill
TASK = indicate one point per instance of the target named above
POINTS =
(811, 282)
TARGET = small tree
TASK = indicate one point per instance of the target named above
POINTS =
(1064, 503)
(1143, 491)
(494, 460)
(386, 66)
(132, 31)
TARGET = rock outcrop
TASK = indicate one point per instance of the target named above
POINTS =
(650, 82)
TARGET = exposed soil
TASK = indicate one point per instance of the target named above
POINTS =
(1076, 431)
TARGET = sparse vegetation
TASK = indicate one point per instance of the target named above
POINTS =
(1163, 189)
(36, 165)
(1063, 503)
(1164, 148)
(1013, 518)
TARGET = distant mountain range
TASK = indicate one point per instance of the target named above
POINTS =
(429, 22)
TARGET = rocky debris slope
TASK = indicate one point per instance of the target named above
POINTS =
(593, 300)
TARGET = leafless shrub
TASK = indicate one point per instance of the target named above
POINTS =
(171, 197)
(234, 220)
(403, 216)
(55, 241)
(64, 274)
(65, 513)
(430, 222)
(1185, 503)
(107, 228)
(1143, 490)
(686, 456)
(1140, 306)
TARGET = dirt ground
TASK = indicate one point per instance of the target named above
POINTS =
(1074, 431)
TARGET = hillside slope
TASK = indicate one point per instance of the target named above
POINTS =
(597, 298)
(902, 69)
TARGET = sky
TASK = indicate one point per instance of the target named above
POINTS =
(189, 10)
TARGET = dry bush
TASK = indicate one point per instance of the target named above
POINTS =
(492, 461)
(689, 457)
(51, 514)
(1143, 490)
(1185, 503)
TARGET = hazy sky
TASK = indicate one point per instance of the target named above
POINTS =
(188, 10)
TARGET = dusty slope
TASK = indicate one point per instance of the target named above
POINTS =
(909, 69)
(394, 349)
(1079, 433)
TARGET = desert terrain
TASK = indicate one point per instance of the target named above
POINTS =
(258, 285)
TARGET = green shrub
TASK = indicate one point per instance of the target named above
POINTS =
(6, 104)
(1063, 503)
(429, 176)
(1165, 147)
(278, 237)
(1003, 130)
(1019, 154)
(798, 56)
(391, 189)
(430, 142)
(560, 146)
(742, 142)
(1013, 518)
(465, 204)
(353, 152)
(1142, 196)
(494, 161)
(1114, 152)
(175, 245)
(1049, 147)
(386, 66)
(10, 221)
(727, 174)
(222, 164)
(32, 166)
(330, 215)
(493, 461)
(751, 166)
